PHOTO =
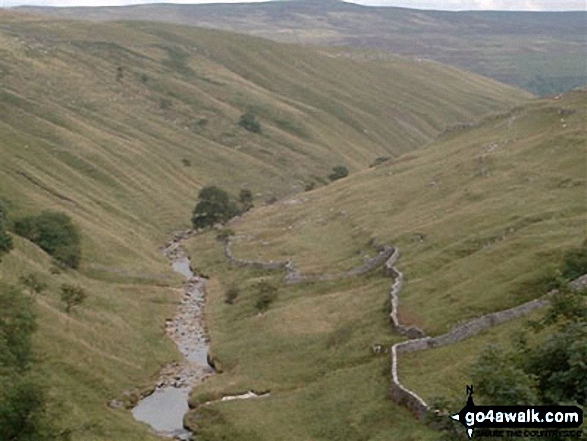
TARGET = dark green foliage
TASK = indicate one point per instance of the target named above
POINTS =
(338, 172)
(266, 295)
(379, 160)
(214, 207)
(55, 233)
(33, 283)
(17, 323)
(119, 73)
(248, 121)
(186, 162)
(498, 377)
(24, 412)
(144, 78)
(23, 405)
(575, 263)
(549, 371)
(231, 294)
(558, 364)
(72, 295)
(5, 239)
(245, 197)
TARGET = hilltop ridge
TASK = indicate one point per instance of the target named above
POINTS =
(539, 51)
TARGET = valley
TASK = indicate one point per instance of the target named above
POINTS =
(121, 124)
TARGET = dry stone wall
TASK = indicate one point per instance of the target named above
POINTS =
(294, 276)
(271, 265)
(388, 257)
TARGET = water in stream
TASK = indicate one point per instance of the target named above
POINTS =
(165, 408)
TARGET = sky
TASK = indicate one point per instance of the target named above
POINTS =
(518, 5)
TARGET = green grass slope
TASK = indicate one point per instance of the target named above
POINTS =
(480, 217)
(107, 146)
(540, 51)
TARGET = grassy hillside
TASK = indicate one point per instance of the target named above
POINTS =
(540, 51)
(480, 217)
(119, 125)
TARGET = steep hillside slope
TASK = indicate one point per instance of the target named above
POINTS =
(480, 217)
(119, 125)
(540, 51)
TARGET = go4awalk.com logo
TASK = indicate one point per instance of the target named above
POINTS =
(516, 418)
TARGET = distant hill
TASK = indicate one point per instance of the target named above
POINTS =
(543, 52)
(119, 125)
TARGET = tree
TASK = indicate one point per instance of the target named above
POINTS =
(5, 240)
(248, 121)
(214, 207)
(55, 233)
(72, 295)
(24, 412)
(338, 172)
(17, 324)
(549, 371)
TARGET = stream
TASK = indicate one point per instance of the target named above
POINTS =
(166, 407)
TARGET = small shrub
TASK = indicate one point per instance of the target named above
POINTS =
(186, 162)
(338, 172)
(165, 103)
(379, 160)
(245, 197)
(224, 234)
(72, 295)
(231, 294)
(33, 283)
(309, 186)
(575, 264)
(202, 122)
(271, 200)
(266, 295)
(55, 233)
(144, 78)
(5, 240)
(119, 73)
(248, 121)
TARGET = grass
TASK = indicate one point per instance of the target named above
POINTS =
(474, 237)
(100, 349)
(77, 138)
(310, 349)
(445, 372)
(541, 52)
(477, 215)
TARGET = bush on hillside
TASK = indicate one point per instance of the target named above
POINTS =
(379, 160)
(55, 233)
(33, 283)
(72, 295)
(231, 294)
(5, 239)
(224, 234)
(266, 295)
(338, 172)
(24, 410)
(575, 263)
(248, 121)
(214, 206)
(245, 197)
